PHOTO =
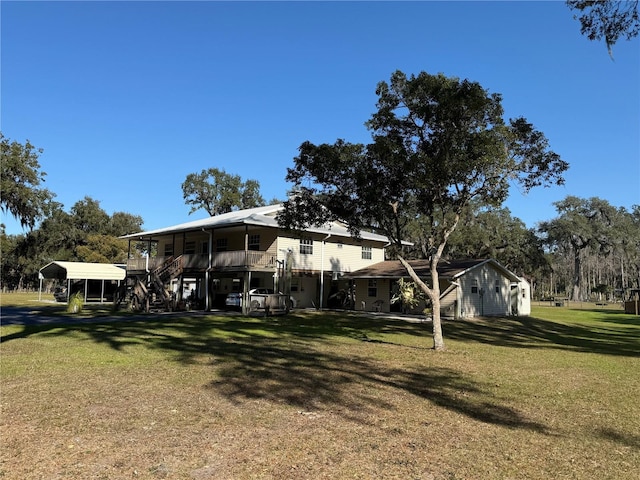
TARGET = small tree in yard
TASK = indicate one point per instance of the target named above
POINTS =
(438, 144)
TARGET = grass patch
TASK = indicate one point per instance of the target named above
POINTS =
(323, 395)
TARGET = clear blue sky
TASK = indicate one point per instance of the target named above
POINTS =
(128, 98)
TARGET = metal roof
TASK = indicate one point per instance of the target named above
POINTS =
(82, 271)
(446, 269)
(259, 216)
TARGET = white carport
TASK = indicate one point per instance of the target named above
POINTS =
(68, 271)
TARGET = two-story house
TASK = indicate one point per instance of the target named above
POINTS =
(200, 262)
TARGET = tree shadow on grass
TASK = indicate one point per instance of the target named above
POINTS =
(352, 387)
(294, 361)
(632, 441)
(535, 333)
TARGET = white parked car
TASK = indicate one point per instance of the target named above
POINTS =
(257, 297)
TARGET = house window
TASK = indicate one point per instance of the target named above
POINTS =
(204, 248)
(254, 242)
(366, 253)
(221, 245)
(189, 248)
(168, 250)
(474, 286)
(497, 286)
(306, 246)
(372, 288)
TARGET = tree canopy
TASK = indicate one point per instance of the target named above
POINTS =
(607, 19)
(21, 182)
(494, 233)
(217, 192)
(438, 143)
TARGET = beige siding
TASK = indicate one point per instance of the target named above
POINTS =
(304, 289)
(366, 302)
(340, 255)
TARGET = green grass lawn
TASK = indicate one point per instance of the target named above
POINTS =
(323, 395)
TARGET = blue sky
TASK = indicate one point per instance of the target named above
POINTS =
(128, 98)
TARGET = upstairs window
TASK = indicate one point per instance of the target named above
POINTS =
(221, 245)
(168, 250)
(254, 242)
(306, 246)
(189, 248)
(366, 253)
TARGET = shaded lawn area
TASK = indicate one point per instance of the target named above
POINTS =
(323, 395)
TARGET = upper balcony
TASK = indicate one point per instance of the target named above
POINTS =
(235, 260)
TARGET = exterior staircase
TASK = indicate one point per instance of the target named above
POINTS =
(153, 295)
(170, 269)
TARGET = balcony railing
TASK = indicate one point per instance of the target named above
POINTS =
(200, 261)
(242, 258)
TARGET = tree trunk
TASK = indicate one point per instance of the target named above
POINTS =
(438, 339)
(577, 275)
(434, 295)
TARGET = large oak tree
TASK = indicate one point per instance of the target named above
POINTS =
(438, 143)
(217, 192)
(590, 226)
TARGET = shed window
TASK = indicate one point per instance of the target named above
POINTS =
(497, 286)
(366, 253)
(306, 246)
(474, 286)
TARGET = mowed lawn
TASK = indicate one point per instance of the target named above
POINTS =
(323, 396)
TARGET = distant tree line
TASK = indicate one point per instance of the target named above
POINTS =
(84, 234)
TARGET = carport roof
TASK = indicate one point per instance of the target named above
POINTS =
(82, 271)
